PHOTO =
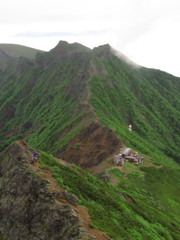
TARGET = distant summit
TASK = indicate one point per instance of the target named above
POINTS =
(64, 46)
(15, 50)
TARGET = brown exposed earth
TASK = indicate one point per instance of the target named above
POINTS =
(92, 146)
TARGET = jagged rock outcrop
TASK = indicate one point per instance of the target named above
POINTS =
(28, 210)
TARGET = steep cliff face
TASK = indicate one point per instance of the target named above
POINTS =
(28, 208)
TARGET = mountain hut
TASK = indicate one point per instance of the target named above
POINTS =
(126, 152)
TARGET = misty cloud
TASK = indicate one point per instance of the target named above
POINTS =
(124, 58)
(143, 30)
(59, 34)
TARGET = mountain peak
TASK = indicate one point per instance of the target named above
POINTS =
(102, 48)
(64, 46)
(15, 50)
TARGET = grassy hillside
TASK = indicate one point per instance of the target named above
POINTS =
(15, 50)
(143, 205)
(44, 99)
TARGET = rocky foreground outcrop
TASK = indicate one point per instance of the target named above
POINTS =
(28, 209)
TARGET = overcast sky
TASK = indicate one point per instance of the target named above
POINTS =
(147, 31)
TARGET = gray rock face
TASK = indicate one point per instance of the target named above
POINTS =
(71, 198)
(28, 210)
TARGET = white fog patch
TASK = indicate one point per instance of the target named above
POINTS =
(124, 58)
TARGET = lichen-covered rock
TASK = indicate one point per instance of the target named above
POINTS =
(28, 210)
(71, 198)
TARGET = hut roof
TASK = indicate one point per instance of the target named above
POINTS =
(127, 151)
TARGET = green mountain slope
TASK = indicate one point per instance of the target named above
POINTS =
(15, 50)
(147, 99)
(44, 98)
(52, 99)
(77, 103)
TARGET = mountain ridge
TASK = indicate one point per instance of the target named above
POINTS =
(75, 105)
(79, 72)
